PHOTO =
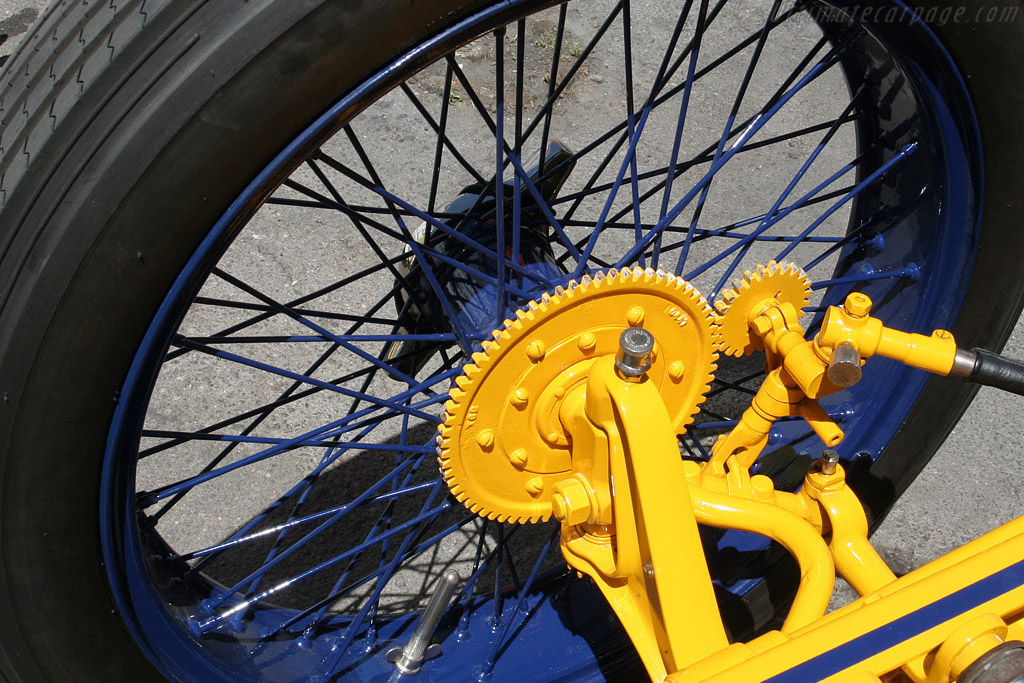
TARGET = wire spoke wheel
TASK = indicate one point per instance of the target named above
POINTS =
(286, 485)
(271, 507)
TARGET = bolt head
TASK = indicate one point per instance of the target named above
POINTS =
(570, 502)
(829, 460)
(485, 439)
(636, 352)
(520, 398)
(762, 325)
(858, 305)
(519, 458)
(635, 316)
(535, 486)
(587, 342)
(675, 370)
(536, 351)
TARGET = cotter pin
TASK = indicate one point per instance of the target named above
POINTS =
(408, 659)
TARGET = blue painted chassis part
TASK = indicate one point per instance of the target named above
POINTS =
(571, 629)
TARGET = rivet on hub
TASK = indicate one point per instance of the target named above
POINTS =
(518, 458)
(536, 350)
(535, 486)
(485, 439)
(520, 397)
(675, 371)
(635, 316)
(587, 342)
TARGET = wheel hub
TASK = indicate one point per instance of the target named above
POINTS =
(503, 446)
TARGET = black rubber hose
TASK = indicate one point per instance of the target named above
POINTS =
(993, 370)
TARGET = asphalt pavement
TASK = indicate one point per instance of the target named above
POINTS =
(970, 487)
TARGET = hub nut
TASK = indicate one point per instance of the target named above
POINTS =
(570, 502)
(636, 352)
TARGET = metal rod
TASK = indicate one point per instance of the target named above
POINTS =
(409, 659)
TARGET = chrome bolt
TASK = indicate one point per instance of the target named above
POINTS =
(844, 368)
(829, 460)
(636, 352)
(409, 659)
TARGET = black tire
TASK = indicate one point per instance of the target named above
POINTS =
(119, 149)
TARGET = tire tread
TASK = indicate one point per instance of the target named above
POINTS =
(71, 46)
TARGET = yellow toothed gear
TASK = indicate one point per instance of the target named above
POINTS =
(768, 285)
(502, 447)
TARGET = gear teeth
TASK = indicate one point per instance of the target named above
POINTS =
(462, 478)
(786, 282)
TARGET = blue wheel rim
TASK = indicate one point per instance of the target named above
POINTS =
(547, 620)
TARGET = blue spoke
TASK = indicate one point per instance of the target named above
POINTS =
(501, 643)
(274, 370)
(326, 601)
(417, 526)
(438, 224)
(547, 110)
(737, 103)
(314, 443)
(407, 235)
(911, 271)
(759, 122)
(337, 427)
(543, 115)
(302, 320)
(707, 155)
(799, 204)
(856, 233)
(499, 183)
(268, 313)
(684, 108)
(632, 129)
(305, 339)
(904, 152)
(247, 535)
(442, 137)
(214, 621)
(789, 190)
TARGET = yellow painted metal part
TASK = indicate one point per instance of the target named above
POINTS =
(503, 447)
(817, 573)
(648, 562)
(852, 642)
(764, 287)
(799, 368)
(853, 324)
(856, 559)
(542, 424)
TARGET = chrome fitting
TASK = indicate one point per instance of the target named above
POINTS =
(409, 659)
(636, 352)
